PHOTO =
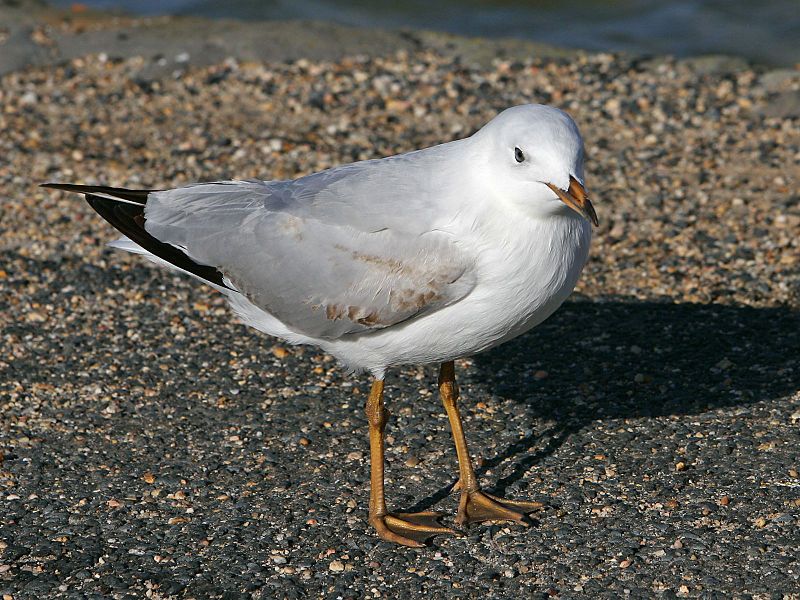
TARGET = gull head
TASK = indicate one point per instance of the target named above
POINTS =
(535, 155)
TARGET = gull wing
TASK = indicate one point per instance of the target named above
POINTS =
(340, 252)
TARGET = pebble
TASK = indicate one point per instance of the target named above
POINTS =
(279, 351)
(412, 461)
(336, 566)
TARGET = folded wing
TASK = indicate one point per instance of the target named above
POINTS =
(326, 256)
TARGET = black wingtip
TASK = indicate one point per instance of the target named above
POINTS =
(124, 194)
(129, 219)
(58, 186)
(124, 209)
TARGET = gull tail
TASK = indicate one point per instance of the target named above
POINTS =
(125, 210)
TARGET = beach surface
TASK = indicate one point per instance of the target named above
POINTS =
(152, 446)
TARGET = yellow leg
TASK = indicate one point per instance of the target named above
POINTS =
(475, 505)
(407, 529)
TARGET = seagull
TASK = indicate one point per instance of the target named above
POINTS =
(418, 258)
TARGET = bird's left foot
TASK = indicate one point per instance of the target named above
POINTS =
(478, 506)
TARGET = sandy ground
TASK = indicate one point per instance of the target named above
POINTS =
(153, 446)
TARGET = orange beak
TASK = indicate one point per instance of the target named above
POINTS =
(575, 197)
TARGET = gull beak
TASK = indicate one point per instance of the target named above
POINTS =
(575, 197)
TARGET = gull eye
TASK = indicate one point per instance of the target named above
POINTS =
(518, 155)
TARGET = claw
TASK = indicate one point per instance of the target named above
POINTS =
(525, 505)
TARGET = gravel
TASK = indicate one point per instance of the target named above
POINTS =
(151, 446)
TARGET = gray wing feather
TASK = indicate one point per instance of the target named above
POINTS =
(340, 252)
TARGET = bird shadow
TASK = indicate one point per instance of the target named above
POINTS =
(623, 358)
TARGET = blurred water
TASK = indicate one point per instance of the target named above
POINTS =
(766, 31)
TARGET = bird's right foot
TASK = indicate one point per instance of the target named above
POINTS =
(410, 529)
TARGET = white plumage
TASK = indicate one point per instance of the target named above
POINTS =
(416, 258)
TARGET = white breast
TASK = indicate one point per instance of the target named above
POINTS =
(526, 291)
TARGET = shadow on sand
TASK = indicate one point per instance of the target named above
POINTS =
(624, 358)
